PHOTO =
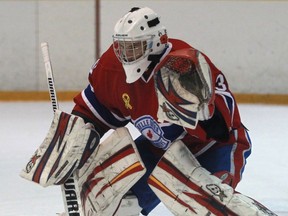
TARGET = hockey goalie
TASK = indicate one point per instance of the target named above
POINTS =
(193, 146)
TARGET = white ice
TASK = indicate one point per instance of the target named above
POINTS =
(24, 125)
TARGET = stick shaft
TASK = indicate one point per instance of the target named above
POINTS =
(70, 188)
(49, 75)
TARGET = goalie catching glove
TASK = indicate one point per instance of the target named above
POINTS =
(69, 143)
(185, 89)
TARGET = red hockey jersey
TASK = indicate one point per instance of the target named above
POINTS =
(109, 102)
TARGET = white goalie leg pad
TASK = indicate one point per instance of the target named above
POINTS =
(105, 179)
(187, 189)
(67, 146)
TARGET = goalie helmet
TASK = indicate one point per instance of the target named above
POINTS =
(139, 37)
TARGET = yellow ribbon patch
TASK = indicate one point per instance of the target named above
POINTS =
(126, 100)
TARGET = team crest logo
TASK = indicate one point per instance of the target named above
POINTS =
(152, 131)
(126, 100)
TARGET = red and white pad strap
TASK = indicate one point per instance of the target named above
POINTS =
(187, 189)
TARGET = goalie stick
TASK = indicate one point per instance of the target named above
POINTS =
(70, 190)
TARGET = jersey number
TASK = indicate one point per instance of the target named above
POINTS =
(220, 83)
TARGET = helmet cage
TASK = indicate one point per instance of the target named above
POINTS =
(132, 49)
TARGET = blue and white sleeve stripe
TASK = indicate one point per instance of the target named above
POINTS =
(100, 111)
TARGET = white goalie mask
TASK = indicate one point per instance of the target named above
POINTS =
(184, 88)
(139, 35)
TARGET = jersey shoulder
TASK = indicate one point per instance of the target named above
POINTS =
(178, 44)
(107, 68)
(109, 60)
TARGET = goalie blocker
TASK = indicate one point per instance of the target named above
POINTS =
(67, 146)
(103, 172)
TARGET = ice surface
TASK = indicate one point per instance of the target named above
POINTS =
(24, 125)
